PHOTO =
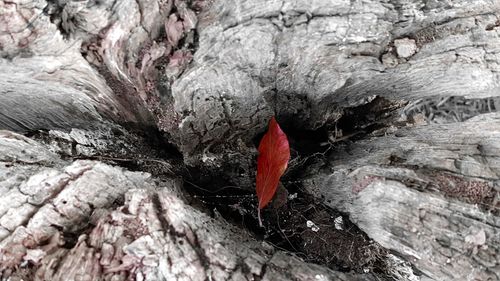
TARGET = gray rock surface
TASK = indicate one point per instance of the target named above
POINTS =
(405, 47)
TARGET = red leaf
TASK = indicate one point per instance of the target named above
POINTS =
(274, 153)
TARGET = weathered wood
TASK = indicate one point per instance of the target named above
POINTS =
(209, 74)
(88, 220)
(307, 61)
(428, 192)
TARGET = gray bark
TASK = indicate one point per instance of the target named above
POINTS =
(428, 192)
(63, 220)
(308, 61)
(407, 93)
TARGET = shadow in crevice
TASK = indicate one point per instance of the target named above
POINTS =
(297, 221)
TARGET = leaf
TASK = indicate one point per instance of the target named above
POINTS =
(274, 153)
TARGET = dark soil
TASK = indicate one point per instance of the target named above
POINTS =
(295, 221)
(299, 225)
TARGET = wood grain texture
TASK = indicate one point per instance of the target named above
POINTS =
(85, 219)
(422, 182)
(309, 61)
(429, 192)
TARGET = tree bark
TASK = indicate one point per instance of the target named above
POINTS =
(63, 220)
(109, 108)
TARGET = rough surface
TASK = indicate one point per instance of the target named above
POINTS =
(390, 107)
(303, 62)
(37, 63)
(81, 60)
(405, 47)
(307, 61)
(68, 221)
(428, 192)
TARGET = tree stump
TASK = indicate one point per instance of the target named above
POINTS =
(129, 135)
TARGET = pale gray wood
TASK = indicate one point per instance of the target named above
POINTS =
(76, 68)
(429, 192)
(306, 61)
(63, 220)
